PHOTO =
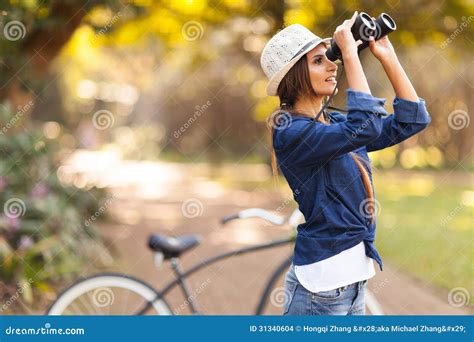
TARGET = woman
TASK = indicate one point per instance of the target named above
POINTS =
(326, 165)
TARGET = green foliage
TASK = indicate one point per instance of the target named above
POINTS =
(219, 44)
(43, 234)
(425, 226)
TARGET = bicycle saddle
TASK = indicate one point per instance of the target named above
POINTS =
(172, 247)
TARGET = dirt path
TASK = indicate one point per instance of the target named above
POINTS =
(153, 203)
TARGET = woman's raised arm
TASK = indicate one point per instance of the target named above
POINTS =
(383, 50)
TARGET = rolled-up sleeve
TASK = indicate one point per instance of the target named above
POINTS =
(359, 101)
(299, 144)
(408, 119)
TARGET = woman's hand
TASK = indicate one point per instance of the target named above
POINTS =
(345, 41)
(382, 49)
(344, 38)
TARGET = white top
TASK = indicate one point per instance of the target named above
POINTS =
(347, 267)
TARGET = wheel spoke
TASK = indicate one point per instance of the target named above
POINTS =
(73, 308)
(125, 303)
(88, 307)
(125, 296)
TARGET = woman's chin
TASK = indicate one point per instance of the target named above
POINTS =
(328, 91)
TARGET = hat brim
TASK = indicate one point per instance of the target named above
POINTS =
(274, 82)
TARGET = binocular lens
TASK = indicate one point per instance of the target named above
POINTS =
(367, 21)
(388, 21)
(363, 28)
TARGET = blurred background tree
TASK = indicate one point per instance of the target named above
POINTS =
(156, 64)
(181, 81)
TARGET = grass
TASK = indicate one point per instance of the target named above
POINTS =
(425, 227)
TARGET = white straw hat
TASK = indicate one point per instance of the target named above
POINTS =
(283, 50)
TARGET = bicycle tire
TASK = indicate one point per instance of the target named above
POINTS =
(106, 281)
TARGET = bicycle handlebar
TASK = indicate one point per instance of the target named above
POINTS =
(226, 219)
(256, 212)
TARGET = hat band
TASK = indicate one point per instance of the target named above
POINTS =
(304, 48)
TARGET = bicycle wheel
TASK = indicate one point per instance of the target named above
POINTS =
(273, 296)
(109, 294)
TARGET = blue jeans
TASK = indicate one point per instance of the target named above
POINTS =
(346, 300)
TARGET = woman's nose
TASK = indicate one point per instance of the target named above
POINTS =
(332, 66)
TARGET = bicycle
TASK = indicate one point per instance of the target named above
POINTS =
(98, 288)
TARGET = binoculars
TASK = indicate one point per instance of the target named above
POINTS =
(363, 28)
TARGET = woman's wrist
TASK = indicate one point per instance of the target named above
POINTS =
(388, 59)
(349, 53)
(355, 74)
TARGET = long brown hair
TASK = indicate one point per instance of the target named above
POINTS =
(295, 85)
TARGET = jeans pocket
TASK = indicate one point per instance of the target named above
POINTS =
(328, 295)
(290, 288)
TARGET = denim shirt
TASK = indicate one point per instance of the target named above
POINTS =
(325, 180)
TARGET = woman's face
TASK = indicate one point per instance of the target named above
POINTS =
(322, 71)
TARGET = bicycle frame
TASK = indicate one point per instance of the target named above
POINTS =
(180, 276)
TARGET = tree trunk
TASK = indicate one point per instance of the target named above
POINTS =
(40, 47)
